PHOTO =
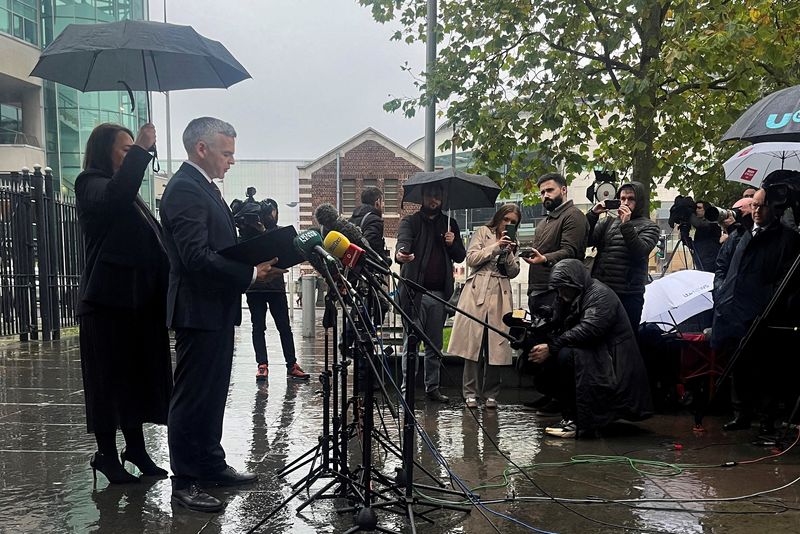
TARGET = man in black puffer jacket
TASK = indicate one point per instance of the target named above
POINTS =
(623, 246)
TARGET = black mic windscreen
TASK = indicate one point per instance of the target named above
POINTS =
(348, 229)
(326, 215)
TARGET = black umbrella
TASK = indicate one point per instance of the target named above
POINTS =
(461, 190)
(137, 56)
(776, 117)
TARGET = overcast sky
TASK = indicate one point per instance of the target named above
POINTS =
(322, 70)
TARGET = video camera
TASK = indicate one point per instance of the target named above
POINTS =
(783, 191)
(532, 328)
(682, 210)
(247, 214)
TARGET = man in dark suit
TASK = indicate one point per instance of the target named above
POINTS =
(203, 307)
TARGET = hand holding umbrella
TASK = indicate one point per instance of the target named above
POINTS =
(146, 138)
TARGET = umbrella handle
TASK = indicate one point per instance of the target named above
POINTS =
(130, 94)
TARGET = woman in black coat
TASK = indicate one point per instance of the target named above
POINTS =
(125, 352)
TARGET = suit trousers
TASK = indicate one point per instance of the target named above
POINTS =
(202, 379)
(274, 301)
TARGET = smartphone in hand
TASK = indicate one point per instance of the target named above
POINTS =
(511, 231)
(612, 204)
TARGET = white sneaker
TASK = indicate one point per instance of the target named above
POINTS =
(472, 402)
(564, 429)
(491, 403)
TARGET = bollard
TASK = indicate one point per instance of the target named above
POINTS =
(309, 286)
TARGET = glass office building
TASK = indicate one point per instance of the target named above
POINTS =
(70, 115)
(64, 117)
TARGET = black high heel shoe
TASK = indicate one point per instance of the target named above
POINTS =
(112, 469)
(143, 462)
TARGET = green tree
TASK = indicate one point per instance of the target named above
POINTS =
(654, 82)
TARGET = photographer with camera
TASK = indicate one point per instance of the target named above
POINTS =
(707, 234)
(623, 246)
(593, 365)
(254, 218)
(750, 266)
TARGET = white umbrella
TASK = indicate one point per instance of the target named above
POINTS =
(676, 297)
(751, 165)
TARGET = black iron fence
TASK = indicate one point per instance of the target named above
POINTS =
(41, 256)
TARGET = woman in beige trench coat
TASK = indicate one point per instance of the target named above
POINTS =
(486, 295)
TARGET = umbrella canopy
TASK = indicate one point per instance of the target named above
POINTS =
(776, 117)
(139, 56)
(676, 297)
(461, 190)
(751, 165)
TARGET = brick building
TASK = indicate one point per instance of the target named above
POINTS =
(369, 158)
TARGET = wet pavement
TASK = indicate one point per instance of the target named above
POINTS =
(46, 483)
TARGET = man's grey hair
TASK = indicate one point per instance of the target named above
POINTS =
(204, 129)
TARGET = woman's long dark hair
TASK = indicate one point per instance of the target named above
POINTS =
(99, 145)
(504, 209)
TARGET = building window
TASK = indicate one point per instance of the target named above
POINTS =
(391, 195)
(10, 122)
(348, 195)
(18, 18)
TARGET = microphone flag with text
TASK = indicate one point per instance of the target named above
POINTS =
(309, 245)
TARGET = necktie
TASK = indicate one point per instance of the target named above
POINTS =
(216, 189)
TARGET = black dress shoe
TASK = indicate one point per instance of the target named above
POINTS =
(193, 498)
(737, 423)
(229, 477)
(436, 395)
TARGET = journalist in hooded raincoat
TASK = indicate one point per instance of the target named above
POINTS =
(593, 366)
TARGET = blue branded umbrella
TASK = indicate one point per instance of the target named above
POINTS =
(776, 117)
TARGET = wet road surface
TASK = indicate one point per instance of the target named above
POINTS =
(46, 483)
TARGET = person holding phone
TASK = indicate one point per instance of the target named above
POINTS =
(492, 256)
(428, 244)
(623, 244)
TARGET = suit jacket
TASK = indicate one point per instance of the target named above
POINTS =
(205, 288)
(126, 266)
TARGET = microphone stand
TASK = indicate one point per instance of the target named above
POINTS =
(359, 492)
(405, 476)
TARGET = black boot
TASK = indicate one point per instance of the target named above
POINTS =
(142, 461)
(111, 468)
(739, 422)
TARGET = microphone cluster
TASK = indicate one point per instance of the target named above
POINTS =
(339, 244)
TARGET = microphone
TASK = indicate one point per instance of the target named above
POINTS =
(309, 245)
(338, 245)
(351, 255)
(329, 217)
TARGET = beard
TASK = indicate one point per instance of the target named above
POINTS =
(552, 203)
(430, 212)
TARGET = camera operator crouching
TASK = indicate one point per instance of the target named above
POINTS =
(254, 218)
(623, 246)
(591, 363)
(751, 265)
